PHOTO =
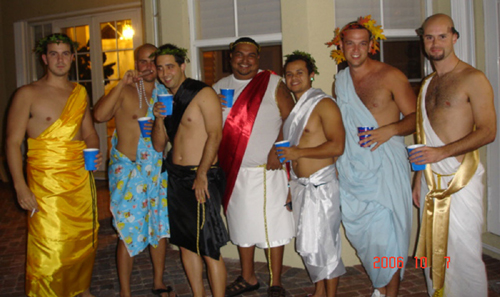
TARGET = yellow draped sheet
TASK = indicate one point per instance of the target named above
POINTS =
(62, 236)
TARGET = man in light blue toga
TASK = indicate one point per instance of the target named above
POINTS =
(374, 174)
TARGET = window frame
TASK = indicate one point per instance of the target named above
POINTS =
(198, 45)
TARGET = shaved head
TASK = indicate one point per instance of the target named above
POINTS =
(438, 19)
(144, 46)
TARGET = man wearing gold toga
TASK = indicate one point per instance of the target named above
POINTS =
(59, 194)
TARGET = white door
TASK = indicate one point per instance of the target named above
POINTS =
(492, 31)
(105, 53)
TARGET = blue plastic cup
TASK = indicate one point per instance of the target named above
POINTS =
(414, 166)
(283, 143)
(229, 94)
(364, 129)
(167, 100)
(90, 155)
(142, 123)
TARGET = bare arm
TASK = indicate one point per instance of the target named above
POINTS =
(89, 134)
(17, 123)
(107, 106)
(331, 122)
(212, 118)
(480, 94)
(406, 101)
(285, 105)
(416, 188)
(159, 135)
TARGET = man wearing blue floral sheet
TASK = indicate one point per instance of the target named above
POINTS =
(138, 189)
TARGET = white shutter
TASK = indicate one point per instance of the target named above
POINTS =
(259, 17)
(216, 19)
(403, 14)
(347, 11)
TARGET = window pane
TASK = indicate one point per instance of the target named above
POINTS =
(406, 56)
(125, 34)
(403, 14)
(108, 36)
(216, 19)
(84, 71)
(350, 10)
(259, 17)
(82, 37)
(110, 68)
(126, 61)
(70, 32)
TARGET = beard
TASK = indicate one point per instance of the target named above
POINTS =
(436, 57)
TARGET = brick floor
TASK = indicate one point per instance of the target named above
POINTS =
(105, 278)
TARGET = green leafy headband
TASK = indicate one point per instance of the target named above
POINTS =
(182, 52)
(306, 56)
(41, 46)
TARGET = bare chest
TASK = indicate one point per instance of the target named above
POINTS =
(192, 117)
(132, 108)
(373, 95)
(444, 95)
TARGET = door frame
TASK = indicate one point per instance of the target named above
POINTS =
(492, 61)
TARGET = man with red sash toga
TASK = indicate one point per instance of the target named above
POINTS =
(58, 193)
(256, 188)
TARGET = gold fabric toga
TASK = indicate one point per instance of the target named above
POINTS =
(62, 236)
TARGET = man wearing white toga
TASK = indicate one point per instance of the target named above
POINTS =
(455, 117)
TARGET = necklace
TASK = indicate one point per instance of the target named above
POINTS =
(141, 91)
(458, 62)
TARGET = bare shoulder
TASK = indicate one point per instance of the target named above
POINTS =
(207, 94)
(473, 78)
(27, 93)
(326, 106)
(390, 73)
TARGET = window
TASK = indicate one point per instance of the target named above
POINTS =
(399, 19)
(220, 22)
(106, 41)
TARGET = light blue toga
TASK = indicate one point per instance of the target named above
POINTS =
(375, 190)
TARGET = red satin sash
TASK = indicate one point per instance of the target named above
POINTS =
(237, 130)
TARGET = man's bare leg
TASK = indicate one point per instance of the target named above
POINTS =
(158, 259)
(276, 263)
(247, 264)
(319, 289)
(217, 275)
(392, 288)
(125, 264)
(193, 265)
(331, 286)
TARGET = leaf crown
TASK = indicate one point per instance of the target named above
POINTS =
(306, 56)
(376, 33)
(41, 46)
(171, 50)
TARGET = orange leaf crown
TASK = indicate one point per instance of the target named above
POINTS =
(376, 33)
